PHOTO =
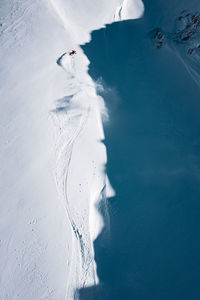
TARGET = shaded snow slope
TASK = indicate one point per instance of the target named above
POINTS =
(51, 155)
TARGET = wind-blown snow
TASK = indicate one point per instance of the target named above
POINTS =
(52, 158)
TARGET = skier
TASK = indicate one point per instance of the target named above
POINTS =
(73, 52)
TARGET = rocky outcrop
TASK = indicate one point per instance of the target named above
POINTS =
(187, 32)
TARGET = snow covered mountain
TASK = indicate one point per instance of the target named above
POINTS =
(52, 159)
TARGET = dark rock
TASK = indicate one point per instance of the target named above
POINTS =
(158, 38)
(190, 51)
(186, 38)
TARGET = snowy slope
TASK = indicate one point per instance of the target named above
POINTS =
(51, 156)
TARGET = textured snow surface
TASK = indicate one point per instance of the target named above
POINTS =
(129, 9)
(51, 155)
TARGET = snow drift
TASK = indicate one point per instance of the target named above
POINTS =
(52, 158)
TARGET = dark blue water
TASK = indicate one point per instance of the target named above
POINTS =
(153, 148)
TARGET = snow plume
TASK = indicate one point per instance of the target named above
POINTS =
(52, 157)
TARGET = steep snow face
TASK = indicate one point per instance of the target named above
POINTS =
(51, 156)
(84, 16)
(129, 9)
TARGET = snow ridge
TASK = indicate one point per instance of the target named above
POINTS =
(80, 113)
(84, 270)
(129, 9)
(52, 158)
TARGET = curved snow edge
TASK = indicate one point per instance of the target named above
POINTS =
(79, 29)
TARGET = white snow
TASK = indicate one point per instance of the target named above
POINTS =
(129, 9)
(52, 158)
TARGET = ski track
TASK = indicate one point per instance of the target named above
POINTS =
(81, 265)
(65, 217)
(64, 148)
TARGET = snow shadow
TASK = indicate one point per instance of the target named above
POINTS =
(63, 104)
(59, 60)
(153, 150)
